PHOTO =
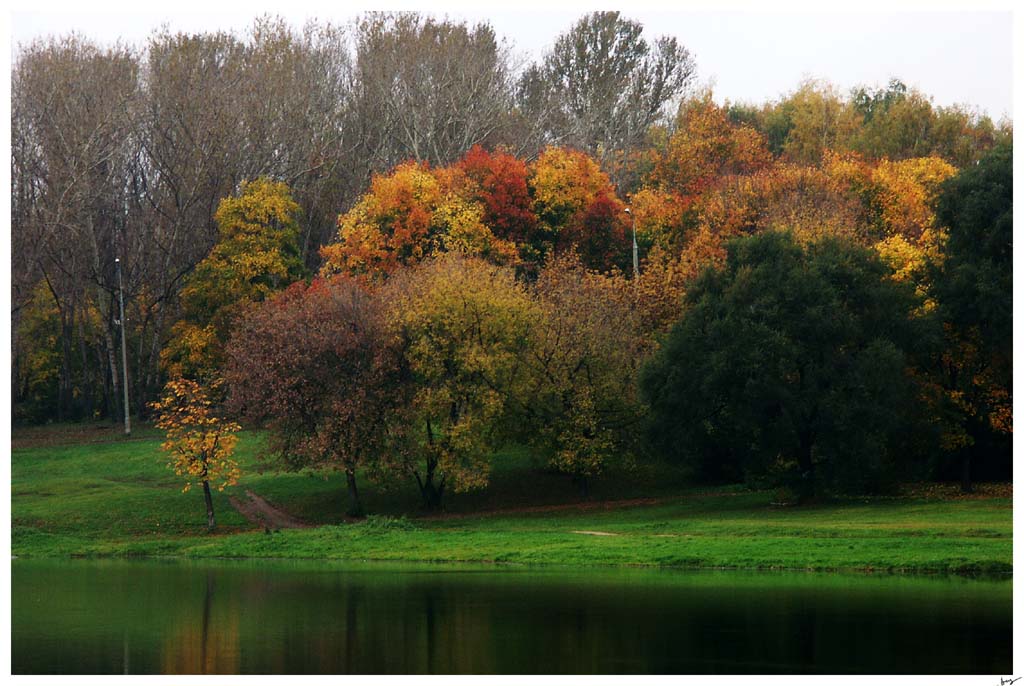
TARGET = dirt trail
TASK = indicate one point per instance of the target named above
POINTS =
(259, 511)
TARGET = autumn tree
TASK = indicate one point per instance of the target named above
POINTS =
(499, 181)
(578, 208)
(199, 442)
(580, 406)
(705, 146)
(819, 119)
(901, 123)
(407, 216)
(789, 363)
(255, 256)
(806, 201)
(662, 218)
(462, 326)
(316, 367)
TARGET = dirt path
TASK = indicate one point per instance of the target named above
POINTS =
(259, 511)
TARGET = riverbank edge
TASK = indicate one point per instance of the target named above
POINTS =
(987, 570)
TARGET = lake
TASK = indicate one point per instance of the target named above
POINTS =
(122, 616)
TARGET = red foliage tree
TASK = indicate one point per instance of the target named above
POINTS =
(316, 367)
(498, 181)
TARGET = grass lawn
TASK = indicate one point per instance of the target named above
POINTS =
(88, 491)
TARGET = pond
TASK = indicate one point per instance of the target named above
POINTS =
(119, 616)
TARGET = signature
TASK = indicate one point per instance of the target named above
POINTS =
(1007, 682)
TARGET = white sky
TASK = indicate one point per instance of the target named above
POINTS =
(955, 56)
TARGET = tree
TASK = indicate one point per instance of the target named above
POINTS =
(902, 194)
(257, 254)
(602, 85)
(901, 123)
(974, 288)
(407, 216)
(580, 406)
(578, 209)
(316, 367)
(661, 218)
(819, 120)
(200, 443)
(427, 89)
(705, 146)
(804, 200)
(462, 326)
(790, 362)
(499, 181)
(74, 110)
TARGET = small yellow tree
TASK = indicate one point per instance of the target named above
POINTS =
(200, 443)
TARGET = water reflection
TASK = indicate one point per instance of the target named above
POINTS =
(148, 617)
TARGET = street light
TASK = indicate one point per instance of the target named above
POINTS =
(124, 350)
(636, 260)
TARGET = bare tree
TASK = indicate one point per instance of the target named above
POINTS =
(427, 89)
(72, 146)
(602, 85)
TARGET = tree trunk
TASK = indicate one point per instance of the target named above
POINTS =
(88, 392)
(582, 483)
(805, 462)
(432, 493)
(115, 380)
(966, 484)
(355, 507)
(211, 523)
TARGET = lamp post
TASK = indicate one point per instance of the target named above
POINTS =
(124, 350)
(636, 260)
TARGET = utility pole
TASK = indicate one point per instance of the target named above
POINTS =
(636, 259)
(124, 350)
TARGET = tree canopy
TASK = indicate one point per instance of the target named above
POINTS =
(791, 362)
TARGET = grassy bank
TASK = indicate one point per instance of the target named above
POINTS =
(82, 493)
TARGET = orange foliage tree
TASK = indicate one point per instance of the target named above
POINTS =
(406, 216)
(705, 146)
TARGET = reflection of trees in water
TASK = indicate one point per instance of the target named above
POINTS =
(204, 642)
(275, 619)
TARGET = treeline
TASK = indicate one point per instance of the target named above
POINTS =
(461, 308)
(126, 151)
(429, 138)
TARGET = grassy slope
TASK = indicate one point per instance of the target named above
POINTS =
(115, 497)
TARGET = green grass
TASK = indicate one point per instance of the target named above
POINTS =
(111, 496)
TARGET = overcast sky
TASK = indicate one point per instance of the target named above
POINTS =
(955, 56)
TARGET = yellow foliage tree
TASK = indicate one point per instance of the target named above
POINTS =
(580, 402)
(904, 194)
(821, 121)
(565, 183)
(199, 442)
(463, 325)
(256, 255)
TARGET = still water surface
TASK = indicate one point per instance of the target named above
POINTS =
(297, 617)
